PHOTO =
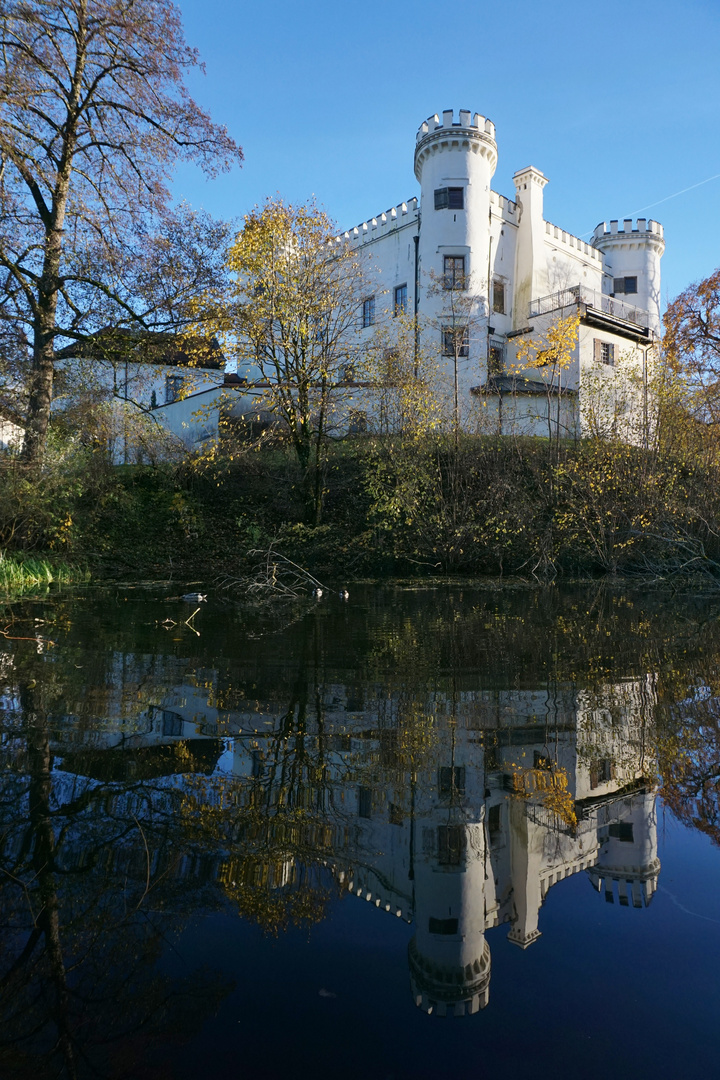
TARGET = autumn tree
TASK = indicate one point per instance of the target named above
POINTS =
(692, 342)
(549, 355)
(293, 319)
(94, 114)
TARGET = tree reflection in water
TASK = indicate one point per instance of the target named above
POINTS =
(448, 768)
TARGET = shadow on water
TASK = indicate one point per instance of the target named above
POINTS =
(449, 756)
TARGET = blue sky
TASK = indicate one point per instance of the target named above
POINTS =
(617, 103)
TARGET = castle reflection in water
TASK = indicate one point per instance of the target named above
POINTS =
(455, 811)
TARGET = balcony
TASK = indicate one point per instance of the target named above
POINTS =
(599, 309)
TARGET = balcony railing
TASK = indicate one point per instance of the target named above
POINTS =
(580, 294)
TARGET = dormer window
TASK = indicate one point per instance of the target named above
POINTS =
(449, 198)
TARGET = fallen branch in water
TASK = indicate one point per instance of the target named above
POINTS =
(274, 577)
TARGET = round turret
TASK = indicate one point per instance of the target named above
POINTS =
(444, 989)
(454, 163)
(627, 862)
(632, 254)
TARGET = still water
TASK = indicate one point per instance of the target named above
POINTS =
(421, 833)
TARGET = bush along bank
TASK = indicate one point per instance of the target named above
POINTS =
(391, 507)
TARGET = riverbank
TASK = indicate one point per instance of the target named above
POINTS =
(479, 507)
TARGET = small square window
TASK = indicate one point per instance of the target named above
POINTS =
(496, 358)
(622, 831)
(172, 723)
(454, 272)
(455, 341)
(604, 352)
(442, 926)
(368, 311)
(449, 198)
(624, 285)
(400, 306)
(499, 297)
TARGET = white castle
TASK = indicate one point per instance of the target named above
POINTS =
(482, 271)
(478, 273)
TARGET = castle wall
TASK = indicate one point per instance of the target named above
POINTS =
(507, 243)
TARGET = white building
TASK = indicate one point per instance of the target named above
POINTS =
(150, 395)
(483, 271)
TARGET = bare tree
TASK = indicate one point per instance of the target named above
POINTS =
(94, 114)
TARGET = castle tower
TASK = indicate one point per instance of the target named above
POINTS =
(530, 259)
(449, 957)
(454, 163)
(628, 859)
(632, 256)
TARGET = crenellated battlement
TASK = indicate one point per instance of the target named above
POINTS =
(568, 240)
(645, 229)
(506, 206)
(471, 133)
(466, 119)
(405, 213)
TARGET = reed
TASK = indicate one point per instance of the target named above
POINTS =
(21, 574)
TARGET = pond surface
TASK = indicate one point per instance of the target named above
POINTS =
(416, 834)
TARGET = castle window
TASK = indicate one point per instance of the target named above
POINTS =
(451, 780)
(449, 198)
(454, 272)
(622, 831)
(494, 825)
(455, 341)
(396, 814)
(496, 358)
(625, 285)
(173, 387)
(400, 300)
(499, 297)
(358, 425)
(368, 311)
(364, 802)
(602, 772)
(172, 723)
(603, 352)
(443, 926)
(451, 845)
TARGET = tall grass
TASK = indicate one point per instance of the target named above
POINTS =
(23, 574)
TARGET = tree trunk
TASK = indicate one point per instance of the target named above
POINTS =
(41, 389)
(48, 917)
(45, 325)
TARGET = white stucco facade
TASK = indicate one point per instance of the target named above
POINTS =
(468, 258)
